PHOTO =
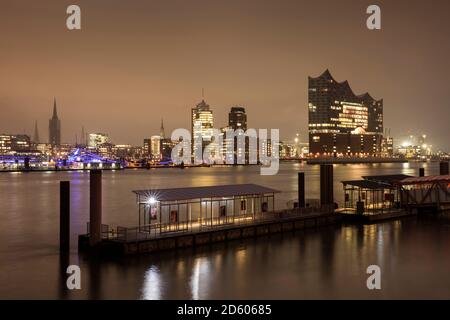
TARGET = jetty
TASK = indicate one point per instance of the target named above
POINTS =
(383, 197)
(191, 216)
(184, 217)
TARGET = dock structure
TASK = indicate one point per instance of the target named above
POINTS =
(183, 217)
(376, 198)
(430, 193)
(372, 199)
(136, 240)
(184, 209)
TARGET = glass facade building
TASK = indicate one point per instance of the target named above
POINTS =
(340, 122)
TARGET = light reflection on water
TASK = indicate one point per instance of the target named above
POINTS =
(325, 263)
(152, 284)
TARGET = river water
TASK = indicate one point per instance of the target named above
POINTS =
(326, 263)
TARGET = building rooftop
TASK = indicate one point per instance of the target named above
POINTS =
(190, 193)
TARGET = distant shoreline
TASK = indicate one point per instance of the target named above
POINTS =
(354, 160)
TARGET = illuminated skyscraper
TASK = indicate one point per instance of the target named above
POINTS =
(202, 125)
(340, 122)
(54, 128)
(237, 119)
(155, 147)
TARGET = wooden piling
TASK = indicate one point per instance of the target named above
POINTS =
(301, 189)
(64, 216)
(95, 207)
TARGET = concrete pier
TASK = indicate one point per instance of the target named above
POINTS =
(95, 207)
(207, 237)
(64, 216)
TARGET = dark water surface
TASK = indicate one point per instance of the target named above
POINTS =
(327, 263)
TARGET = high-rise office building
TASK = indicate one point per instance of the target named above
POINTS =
(54, 128)
(202, 125)
(342, 123)
(147, 148)
(155, 147)
(237, 119)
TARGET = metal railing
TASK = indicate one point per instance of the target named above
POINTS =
(161, 230)
(105, 230)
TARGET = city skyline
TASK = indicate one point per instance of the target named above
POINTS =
(224, 156)
(261, 63)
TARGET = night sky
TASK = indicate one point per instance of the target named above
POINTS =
(134, 62)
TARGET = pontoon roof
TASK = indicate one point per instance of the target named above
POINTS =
(189, 193)
(427, 179)
(368, 184)
(387, 178)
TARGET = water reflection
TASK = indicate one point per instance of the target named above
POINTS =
(152, 284)
(200, 278)
(318, 263)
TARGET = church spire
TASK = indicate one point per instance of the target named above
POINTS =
(161, 130)
(83, 137)
(36, 133)
(55, 113)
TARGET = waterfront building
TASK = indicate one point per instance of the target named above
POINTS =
(410, 151)
(387, 146)
(202, 126)
(44, 148)
(105, 149)
(96, 139)
(166, 149)
(122, 151)
(146, 149)
(155, 148)
(287, 150)
(12, 143)
(54, 128)
(237, 120)
(342, 123)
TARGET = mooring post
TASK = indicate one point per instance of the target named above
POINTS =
(95, 207)
(301, 189)
(330, 184)
(443, 168)
(64, 216)
(326, 184)
(421, 172)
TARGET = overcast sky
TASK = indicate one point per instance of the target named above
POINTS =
(134, 62)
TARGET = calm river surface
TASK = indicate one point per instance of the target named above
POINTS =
(327, 263)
